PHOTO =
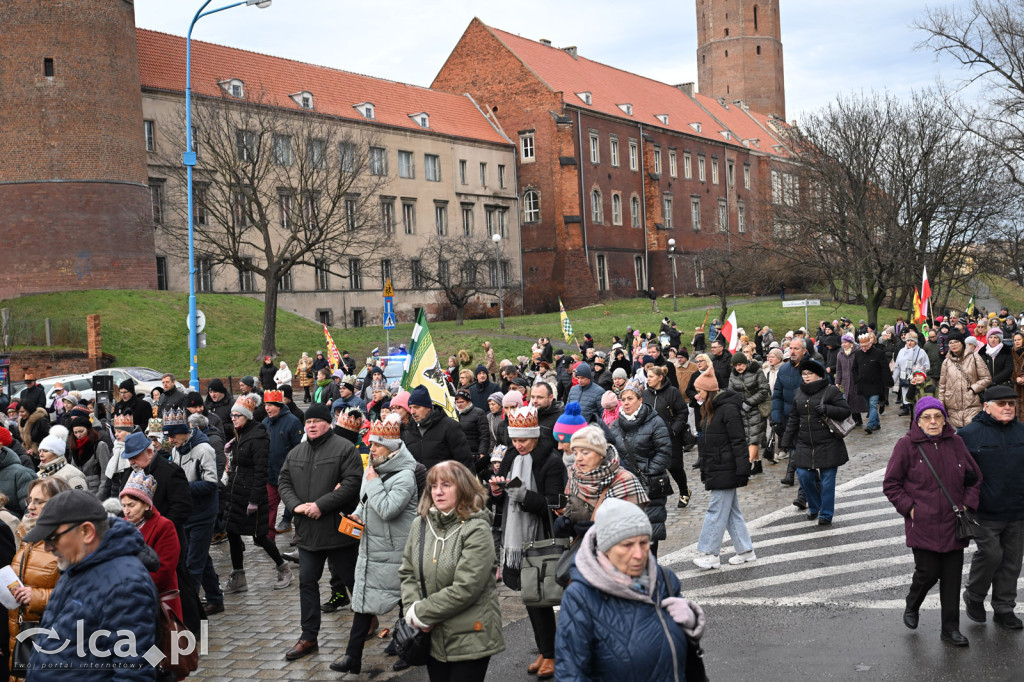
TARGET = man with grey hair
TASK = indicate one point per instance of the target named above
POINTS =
(871, 374)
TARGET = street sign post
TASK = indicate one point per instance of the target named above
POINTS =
(803, 303)
(200, 321)
(389, 313)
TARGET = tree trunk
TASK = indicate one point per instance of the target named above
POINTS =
(460, 314)
(722, 296)
(269, 318)
(872, 302)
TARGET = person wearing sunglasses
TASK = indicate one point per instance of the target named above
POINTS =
(995, 439)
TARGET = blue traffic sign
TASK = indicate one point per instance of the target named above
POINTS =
(389, 312)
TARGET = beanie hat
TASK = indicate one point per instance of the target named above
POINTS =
(496, 397)
(739, 358)
(245, 405)
(522, 423)
(420, 396)
(5, 437)
(512, 399)
(249, 381)
(318, 411)
(80, 421)
(216, 385)
(707, 381)
(609, 400)
(971, 341)
(400, 399)
(812, 366)
(994, 331)
(591, 437)
(955, 335)
(481, 368)
(569, 423)
(928, 403)
(54, 445)
(286, 391)
(193, 399)
(127, 385)
(583, 371)
(338, 374)
(617, 520)
(619, 373)
(141, 487)
(848, 337)
(387, 432)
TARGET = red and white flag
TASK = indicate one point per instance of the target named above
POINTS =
(729, 331)
(926, 294)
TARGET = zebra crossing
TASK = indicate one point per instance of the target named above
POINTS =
(861, 561)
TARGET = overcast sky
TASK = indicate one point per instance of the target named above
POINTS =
(830, 47)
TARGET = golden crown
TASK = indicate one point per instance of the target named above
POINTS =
(388, 429)
(523, 418)
(352, 420)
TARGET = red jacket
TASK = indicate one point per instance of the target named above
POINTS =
(159, 533)
(909, 484)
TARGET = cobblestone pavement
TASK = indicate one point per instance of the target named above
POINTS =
(250, 638)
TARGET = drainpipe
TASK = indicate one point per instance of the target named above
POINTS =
(643, 207)
(583, 190)
(728, 193)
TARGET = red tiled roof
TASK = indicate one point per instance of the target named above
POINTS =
(335, 92)
(609, 87)
(745, 125)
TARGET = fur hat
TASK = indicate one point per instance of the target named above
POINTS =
(707, 381)
(617, 520)
(522, 423)
(141, 487)
(387, 432)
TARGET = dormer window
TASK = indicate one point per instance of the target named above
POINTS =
(304, 99)
(585, 96)
(756, 141)
(725, 134)
(663, 118)
(422, 119)
(627, 109)
(365, 108)
(696, 126)
(233, 87)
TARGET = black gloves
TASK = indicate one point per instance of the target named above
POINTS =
(820, 409)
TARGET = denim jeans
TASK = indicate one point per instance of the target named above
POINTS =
(823, 501)
(724, 514)
(199, 563)
(873, 421)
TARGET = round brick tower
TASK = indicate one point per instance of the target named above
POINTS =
(739, 53)
(73, 183)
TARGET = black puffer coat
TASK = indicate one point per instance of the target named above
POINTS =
(247, 481)
(724, 461)
(436, 439)
(669, 404)
(1000, 366)
(816, 447)
(645, 448)
(752, 386)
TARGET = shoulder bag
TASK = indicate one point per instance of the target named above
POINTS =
(657, 486)
(839, 428)
(967, 526)
(413, 644)
(169, 628)
(569, 555)
(22, 651)
(537, 574)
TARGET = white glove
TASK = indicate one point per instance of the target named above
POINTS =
(411, 619)
(687, 613)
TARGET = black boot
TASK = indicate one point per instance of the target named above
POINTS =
(790, 473)
(756, 468)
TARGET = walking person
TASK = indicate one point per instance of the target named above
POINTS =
(871, 374)
(306, 375)
(909, 359)
(912, 486)
(724, 467)
(995, 439)
(963, 379)
(669, 404)
(751, 384)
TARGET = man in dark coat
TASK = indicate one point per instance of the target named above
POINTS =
(320, 362)
(432, 436)
(548, 411)
(348, 363)
(872, 376)
(290, 404)
(267, 372)
(473, 422)
(829, 348)
(33, 393)
(602, 376)
(787, 383)
(171, 398)
(721, 360)
(316, 495)
(219, 401)
(995, 439)
(482, 388)
(131, 404)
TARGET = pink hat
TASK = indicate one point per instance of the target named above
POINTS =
(707, 381)
(401, 399)
(609, 400)
(994, 331)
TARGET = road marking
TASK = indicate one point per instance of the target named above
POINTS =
(815, 533)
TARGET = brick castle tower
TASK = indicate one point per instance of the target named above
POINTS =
(739, 53)
(76, 210)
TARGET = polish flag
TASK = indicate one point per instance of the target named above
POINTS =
(926, 293)
(729, 331)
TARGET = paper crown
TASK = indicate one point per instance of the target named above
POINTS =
(387, 429)
(124, 421)
(635, 386)
(522, 423)
(273, 396)
(140, 486)
(155, 427)
(350, 420)
(174, 418)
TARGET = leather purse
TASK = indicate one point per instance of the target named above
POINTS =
(658, 486)
(413, 644)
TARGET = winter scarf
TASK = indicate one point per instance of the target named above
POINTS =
(608, 579)
(606, 480)
(520, 526)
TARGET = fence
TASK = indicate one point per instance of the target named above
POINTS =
(45, 332)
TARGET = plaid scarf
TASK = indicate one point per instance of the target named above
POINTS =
(610, 477)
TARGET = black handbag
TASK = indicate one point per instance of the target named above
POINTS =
(22, 652)
(657, 486)
(967, 526)
(412, 644)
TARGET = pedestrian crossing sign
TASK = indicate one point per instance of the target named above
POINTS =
(389, 321)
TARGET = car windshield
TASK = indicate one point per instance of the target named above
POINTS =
(143, 373)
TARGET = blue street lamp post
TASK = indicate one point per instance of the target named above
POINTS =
(189, 160)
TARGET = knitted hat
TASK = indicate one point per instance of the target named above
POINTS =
(245, 406)
(155, 427)
(496, 397)
(929, 403)
(498, 453)
(583, 371)
(400, 399)
(387, 432)
(249, 381)
(82, 421)
(193, 399)
(273, 397)
(216, 385)
(812, 366)
(54, 445)
(619, 373)
(522, 423)
(464, 394)
(481, 368)
(635, 386)
(994, 331)
(707, 381)
(971, 341)
(617, 520)
(739, 358)
(141, 487)
(998, 393)
(5, 437)
(338, 374)
(512, 399)
(318, 411)
(848, 337)
(127, 385)
(609, 400)
(591, 438)
(420, 396)
(286, 391)
(569, 423)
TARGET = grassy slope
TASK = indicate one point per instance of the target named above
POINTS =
(1007, 292)
(148, 327)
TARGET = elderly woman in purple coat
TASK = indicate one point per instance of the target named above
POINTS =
(929, 520)
(844, 377)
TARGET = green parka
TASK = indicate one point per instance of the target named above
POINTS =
(459, 564)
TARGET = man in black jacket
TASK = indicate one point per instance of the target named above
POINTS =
(267, 372)
(171, 398)
(33, 393)
(602, 377)
(473, 422)
(132, 405)
(721, 360)
(432, 436)
(219, 401)
(548, 411)
(482, 388)
(872, 376)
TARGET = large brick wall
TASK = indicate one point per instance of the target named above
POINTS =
(737, 61)
(73, 183)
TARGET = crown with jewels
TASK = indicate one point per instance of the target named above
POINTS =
(350, 420)
(124, 421)
(249, 402)
(388, 428)
(522, 423)
(635, 386)
(176, 417)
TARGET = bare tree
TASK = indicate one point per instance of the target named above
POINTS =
(277, 189)
(731, 265)
(460, 267)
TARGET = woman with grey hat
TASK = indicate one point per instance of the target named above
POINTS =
(623, 617)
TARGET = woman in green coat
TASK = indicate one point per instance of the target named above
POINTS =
(460, 607)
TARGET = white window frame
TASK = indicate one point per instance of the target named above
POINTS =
(527, 148)
(616, 208)
(695, 213)
(613, 146)
(441, 219)
(673, 165)
(638, 272)
(406, 164)
(467, 219)
(284, 154)
(657, 161)
(596, 207)
(634, 155)
(378, 161)
(149, 130)
(666, 203)
(687, 167)
(634, 211)
(702, 172)
(409, 217)
(723, 215)
(746, 176)
(741, 218)
(531, 206)
(595, 147)
(714, 171)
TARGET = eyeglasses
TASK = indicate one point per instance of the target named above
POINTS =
(1004, 403)
(931, 418)
(52, 539)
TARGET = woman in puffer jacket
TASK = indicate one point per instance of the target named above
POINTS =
(669, 404)
(645, 450)
(623, 617)
(963, 379)
(751, 383)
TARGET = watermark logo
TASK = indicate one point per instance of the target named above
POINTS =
(94, 654)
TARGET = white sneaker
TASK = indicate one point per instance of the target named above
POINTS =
(707, 561)
(742, 558)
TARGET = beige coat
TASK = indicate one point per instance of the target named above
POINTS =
(961, 383)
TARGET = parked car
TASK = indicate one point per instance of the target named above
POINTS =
(72, 382)
(145, 379)
(392, 372)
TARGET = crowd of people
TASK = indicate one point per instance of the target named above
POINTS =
(421, 512)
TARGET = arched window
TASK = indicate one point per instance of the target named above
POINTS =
(616, 209)
(531, 206)
(634, 212)
(595, 206)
